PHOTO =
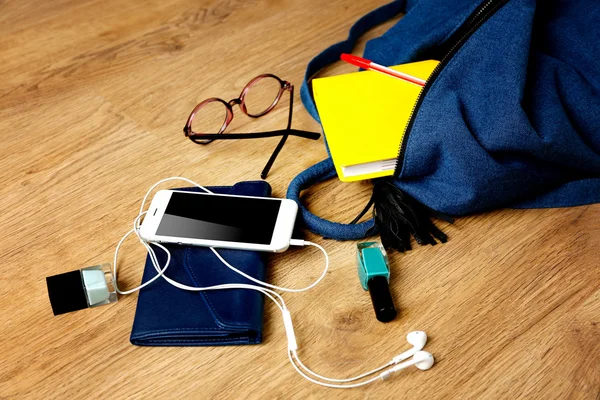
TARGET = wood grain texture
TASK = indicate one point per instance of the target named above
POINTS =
(93, 97)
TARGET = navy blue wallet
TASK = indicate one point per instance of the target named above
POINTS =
(168, 316)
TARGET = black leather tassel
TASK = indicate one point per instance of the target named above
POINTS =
(398, 216)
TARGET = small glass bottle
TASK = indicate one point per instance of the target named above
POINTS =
(84, 288)
(374, 274)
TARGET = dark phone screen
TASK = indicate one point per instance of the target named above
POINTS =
(229, 219)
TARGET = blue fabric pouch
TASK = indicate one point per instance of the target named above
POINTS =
(510, 118)
(168, 316)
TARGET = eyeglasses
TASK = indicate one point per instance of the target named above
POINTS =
(212, 116)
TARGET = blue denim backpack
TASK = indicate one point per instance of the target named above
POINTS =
(510, 118)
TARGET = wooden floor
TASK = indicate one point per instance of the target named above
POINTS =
(93, 98)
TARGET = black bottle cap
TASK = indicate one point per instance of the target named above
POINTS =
(66, 292)
(381, 298)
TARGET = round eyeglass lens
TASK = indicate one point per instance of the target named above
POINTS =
(210, 118)
(261, 95)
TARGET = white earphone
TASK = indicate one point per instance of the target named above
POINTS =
(418, 340)
(421, 359)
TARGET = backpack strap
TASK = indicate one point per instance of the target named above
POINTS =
(328, 229)
(333, 52)
(325, 169)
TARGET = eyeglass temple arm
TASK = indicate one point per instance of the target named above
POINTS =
(258, 135)
(277, 150)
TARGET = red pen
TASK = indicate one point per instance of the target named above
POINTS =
(370, 65)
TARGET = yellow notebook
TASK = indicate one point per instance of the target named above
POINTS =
(364, 115)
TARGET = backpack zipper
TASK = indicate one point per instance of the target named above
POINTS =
(481, 14)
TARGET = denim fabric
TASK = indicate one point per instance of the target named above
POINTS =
(513, 119)
(318, 173)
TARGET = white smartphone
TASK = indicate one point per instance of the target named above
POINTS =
(217, 220)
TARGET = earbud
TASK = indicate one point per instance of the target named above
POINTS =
(418, 340)
(422, 360)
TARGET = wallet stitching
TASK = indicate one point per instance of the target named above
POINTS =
(174, 330)
(240, 339)
(219, 319)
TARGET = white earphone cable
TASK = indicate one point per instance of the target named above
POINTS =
(265, 289)
(283, 289)
(160, 272)
(292, 356)
(361, 376)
